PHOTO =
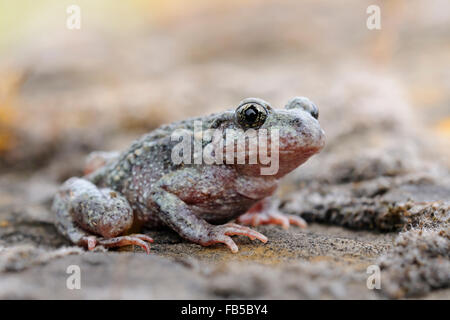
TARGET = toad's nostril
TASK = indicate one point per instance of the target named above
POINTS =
(297, 121)
(305, 104)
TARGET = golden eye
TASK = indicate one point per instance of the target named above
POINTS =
(251, 115)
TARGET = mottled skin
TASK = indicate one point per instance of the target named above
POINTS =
(142, 185)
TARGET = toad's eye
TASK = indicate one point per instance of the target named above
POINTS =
(251, 115)
(305, 104)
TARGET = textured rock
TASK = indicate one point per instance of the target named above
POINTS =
(420, 258)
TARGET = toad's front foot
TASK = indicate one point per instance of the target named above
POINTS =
(178, 215)
(266, 212)
(140, 240)
(222, 233)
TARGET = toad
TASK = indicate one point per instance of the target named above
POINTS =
(147, 184)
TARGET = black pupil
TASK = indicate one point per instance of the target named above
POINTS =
(251, 114)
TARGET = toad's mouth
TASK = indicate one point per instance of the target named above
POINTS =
(302, 151)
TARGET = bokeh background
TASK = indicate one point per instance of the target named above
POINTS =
(136, 64)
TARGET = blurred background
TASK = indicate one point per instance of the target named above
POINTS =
(136, 64)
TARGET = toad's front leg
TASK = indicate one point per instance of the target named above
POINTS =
(178, 216)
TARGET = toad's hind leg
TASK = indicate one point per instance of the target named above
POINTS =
(90, 216)
(98, 159)
(266, 212)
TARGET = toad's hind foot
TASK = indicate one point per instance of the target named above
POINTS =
(91, 216)
(222, 233)
(140, 240)
(265, 212)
